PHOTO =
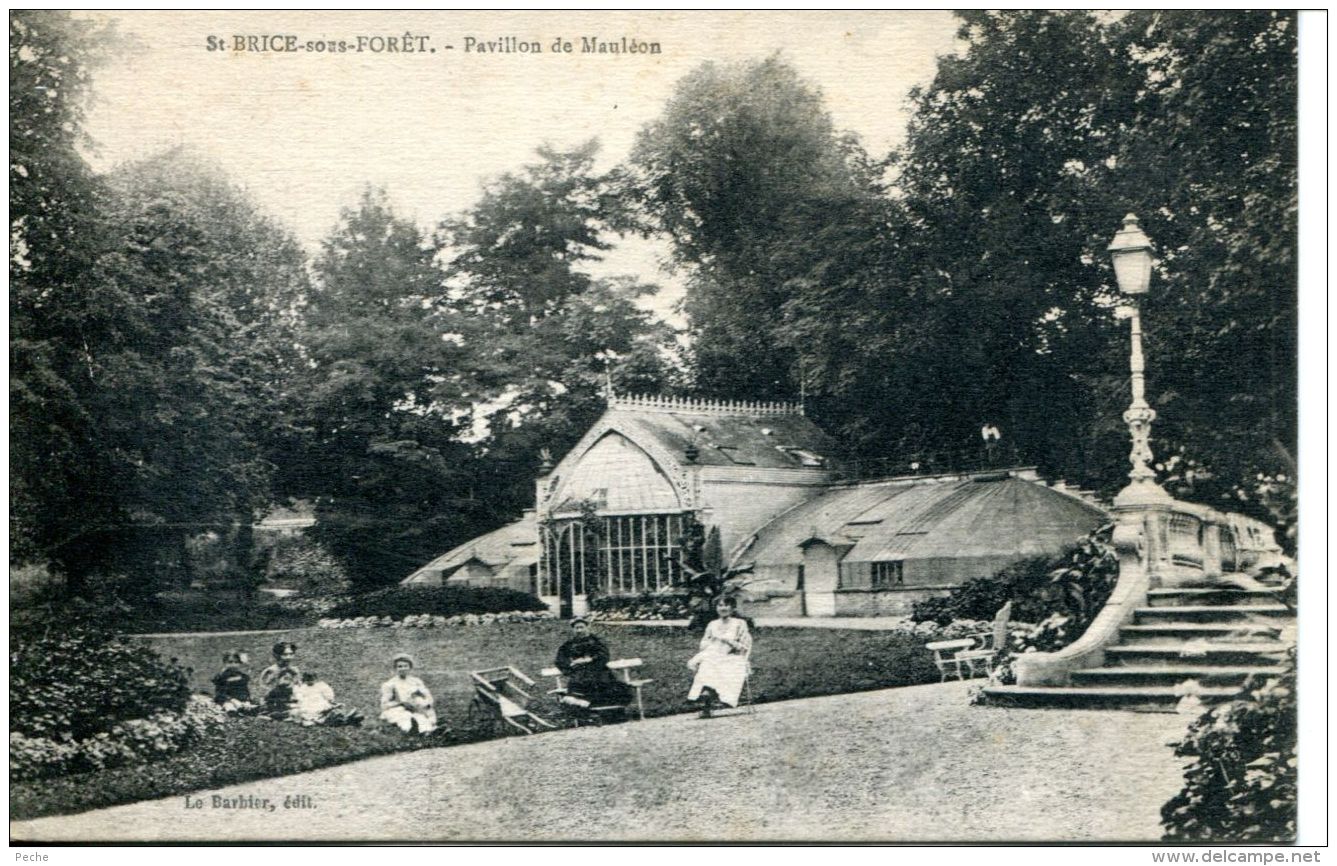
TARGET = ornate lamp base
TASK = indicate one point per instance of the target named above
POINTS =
(1142, 492)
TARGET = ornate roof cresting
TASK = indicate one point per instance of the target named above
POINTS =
(701, 406)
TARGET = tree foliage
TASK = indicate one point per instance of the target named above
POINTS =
(1213, 164)
(147, 311)
(517, 265)
(383, 395)
(54, 238)
(1024, 153)
(745, 172)
(970, 284)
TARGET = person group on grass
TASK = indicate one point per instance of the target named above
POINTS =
(290, 695)
(720, 669)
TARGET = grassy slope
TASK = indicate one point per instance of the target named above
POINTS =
(788, 663)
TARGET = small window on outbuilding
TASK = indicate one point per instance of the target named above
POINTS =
(888, 574)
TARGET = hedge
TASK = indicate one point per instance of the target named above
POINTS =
(398, 602)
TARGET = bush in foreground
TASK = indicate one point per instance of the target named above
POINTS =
(130, 742)
(398, 602)
(72, 685)
(1241, 785)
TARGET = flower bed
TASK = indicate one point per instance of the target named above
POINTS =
(427, 620)
(74, 684)
(130, 742)
(646, 606)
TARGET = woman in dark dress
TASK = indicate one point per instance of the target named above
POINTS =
(584, 661)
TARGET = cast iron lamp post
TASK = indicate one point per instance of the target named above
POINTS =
(1131, 254)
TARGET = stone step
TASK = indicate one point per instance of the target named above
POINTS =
(1201, 595)
(1210, 613)
(1262, 653)
(1145, 698)
(1169, 675)
(1162, 631)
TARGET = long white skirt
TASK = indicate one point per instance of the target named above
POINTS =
(402, 718)
(723, 673)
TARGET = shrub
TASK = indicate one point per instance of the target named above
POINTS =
(1241, 785)
(41, 602)
(1075, 584)
(210, 612)
(398, 602)
(647, 605)
(1062, 596)
(77, 683)
(307, 566)
(1022, 583)
(129, 742)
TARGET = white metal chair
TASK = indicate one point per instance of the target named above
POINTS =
(981, 648)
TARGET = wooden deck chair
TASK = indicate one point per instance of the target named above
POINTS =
(500, 695)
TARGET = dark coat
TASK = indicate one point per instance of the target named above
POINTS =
(591, 680)
(231, 684)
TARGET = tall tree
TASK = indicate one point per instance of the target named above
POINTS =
(383, 400)
(55, 237)
(743, 170)
(1006, 177)
(1022, 157)
(192, 401)
(134, 366)
(1212, 162)
(521, 248)
(517, 266)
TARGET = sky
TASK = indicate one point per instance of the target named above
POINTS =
(305, 131)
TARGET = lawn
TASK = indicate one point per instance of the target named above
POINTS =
(788, 663)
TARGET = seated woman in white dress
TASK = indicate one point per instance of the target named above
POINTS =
(406, 702)
(722, 664)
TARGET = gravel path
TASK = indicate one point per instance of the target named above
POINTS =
(909, 764)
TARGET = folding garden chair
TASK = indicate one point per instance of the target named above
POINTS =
(499, 695)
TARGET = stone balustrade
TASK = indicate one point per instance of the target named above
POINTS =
(1160, 544)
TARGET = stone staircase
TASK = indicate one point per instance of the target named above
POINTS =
(1214, 635)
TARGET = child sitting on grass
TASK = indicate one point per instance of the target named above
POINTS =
(232, 685)
(314, 704)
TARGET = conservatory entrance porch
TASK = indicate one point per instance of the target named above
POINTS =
(615, 554)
